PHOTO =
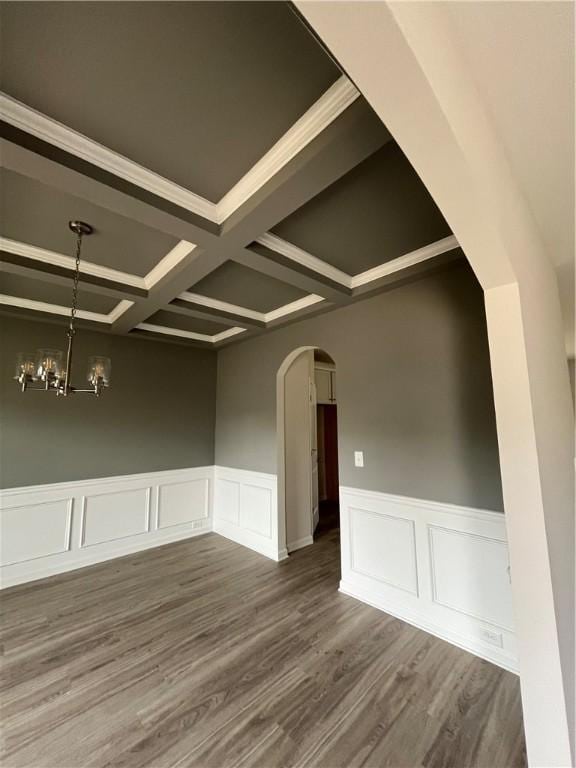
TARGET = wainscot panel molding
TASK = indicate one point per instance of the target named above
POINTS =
(246, 509)
(441, 567)
(50, 529)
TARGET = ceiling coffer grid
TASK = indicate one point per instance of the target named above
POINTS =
(335, 135)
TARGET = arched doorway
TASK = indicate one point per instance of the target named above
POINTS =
(308, 494)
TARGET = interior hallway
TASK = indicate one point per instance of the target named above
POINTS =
(203, 653)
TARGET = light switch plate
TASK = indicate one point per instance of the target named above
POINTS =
(358, 458)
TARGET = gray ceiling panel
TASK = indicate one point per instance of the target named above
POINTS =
(196, 91)
(173, 320)
(247, 288)
(377, 212)
(38, 215)
(52, 293)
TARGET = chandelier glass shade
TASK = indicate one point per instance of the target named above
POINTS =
(48, 370)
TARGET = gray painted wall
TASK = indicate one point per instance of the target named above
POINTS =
(414, 392)
(163, 420)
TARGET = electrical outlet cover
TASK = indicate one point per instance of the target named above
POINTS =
(492, 637)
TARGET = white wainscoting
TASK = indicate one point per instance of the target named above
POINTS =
(49, 529)
(246, 509)
(440, 567)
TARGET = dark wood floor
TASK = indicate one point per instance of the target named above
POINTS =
(202, 653)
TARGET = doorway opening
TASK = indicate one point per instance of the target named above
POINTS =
(328, 507)
(308, 485)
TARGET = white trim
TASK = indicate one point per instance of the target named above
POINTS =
(56, 309)
(265, 317)
(68, 487)
(417, 620)
(305, 259)
(173, 332)
(85, 557)
(403, 262)
(190, 334)
(321, 114)
(47, 129)
(181, 250)
(165, 265)
(315, 264)
(438, 506)
(294, 306)
(119, 309)
(67, 262)
(227, 334)
(222, 306)
(249, 476)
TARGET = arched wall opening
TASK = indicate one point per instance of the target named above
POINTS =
(307, 484)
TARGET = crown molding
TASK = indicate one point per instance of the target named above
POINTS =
(43, 127)
(305, 259)
(294, 306)
(56, 309)
(321, 114)
(403, 262)
(171, 260)
(266, 317)
(119, 310)
(167, 331)
(167, 264)
(67, 262)
(164, 266)
(222, 306)
(182, 249)
(227, 334)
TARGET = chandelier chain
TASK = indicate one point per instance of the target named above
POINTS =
(75, 287)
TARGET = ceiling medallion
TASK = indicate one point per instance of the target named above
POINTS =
(44, 371)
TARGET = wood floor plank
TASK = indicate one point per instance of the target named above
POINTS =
(203, 653)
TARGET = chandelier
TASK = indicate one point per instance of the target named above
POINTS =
(45, 371)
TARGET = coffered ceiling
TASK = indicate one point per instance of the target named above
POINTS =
(236, 180)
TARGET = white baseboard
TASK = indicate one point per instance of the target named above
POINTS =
(246, 539)
(300, 543)
(35, 571)
(440, 567)
(50, 529)
(496, 656)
